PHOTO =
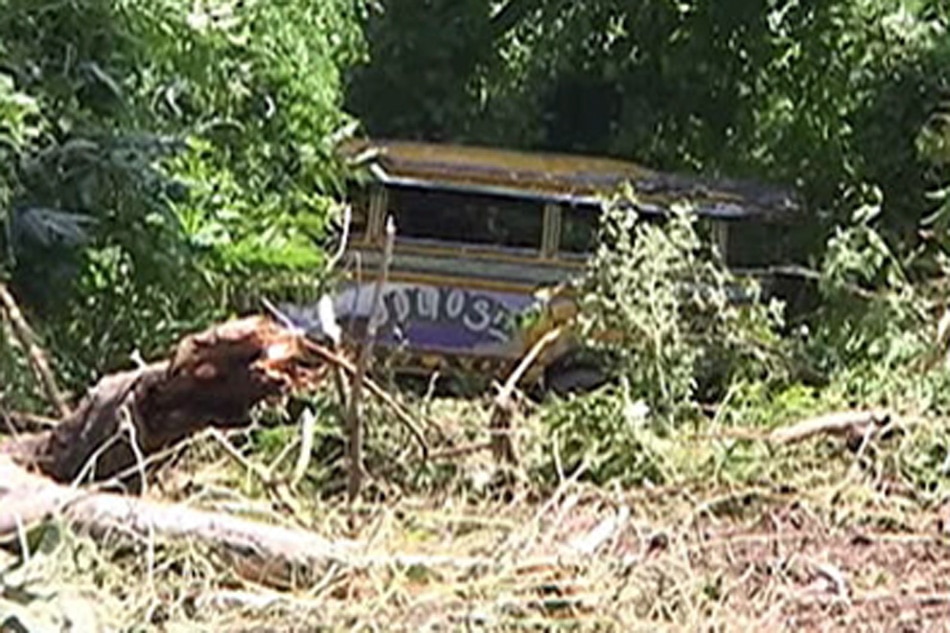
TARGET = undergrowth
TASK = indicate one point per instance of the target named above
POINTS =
(676, 441)
(689, 356)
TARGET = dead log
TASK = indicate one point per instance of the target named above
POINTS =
(213, 379)
(268, 554)
(853, 425)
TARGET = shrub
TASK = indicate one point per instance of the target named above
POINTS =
(661, 308)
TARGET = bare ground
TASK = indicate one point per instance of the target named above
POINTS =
(580, 559)
(826, 541)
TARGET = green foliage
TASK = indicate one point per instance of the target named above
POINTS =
(674, 322)
(607, 434)
(871, 314)
(824, 95)
(166, 162)
(676, 330)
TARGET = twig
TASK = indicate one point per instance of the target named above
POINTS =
(308, 425)
(402, 414)
(27, 338)
(603, 532)
(344, 239)
(307, 429)
(502, 412)
(835, 577)
(847, 423)
(279, 490)
(20, 422)
(259, 472)
(355, 417)
(813, 275)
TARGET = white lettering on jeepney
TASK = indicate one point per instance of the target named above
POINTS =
(427, 302)
(477, 313)
(478, 318)
(402, 305)
(500, 325)
(455, 304)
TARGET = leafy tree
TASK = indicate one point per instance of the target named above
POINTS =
(164, 160)
(827, 95)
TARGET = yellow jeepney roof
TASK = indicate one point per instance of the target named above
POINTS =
(559, 177)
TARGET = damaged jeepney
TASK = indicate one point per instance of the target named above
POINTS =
(482, 234)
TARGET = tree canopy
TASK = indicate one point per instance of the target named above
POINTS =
(158, 156)
(166, 162)
(826, 95)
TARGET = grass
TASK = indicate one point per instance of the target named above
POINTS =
(738, 535)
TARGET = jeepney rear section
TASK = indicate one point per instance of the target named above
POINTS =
(454, 312)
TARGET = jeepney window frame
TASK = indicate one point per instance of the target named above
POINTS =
(470, 248)
(551, 230)
(574, 256)
(378, 208)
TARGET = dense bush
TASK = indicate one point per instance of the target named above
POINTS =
(671, 319)
(164, 162)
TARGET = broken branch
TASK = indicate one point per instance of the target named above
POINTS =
(503, 411)
(28, 340)
(402, 414)
(355, 414)
(851, 424)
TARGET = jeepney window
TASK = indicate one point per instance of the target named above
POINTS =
(579, 227)
(449, 216)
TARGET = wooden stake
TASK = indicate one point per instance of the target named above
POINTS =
(355, 416)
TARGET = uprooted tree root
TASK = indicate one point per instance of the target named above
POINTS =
(213, 379)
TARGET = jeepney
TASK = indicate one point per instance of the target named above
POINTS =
(483, 235)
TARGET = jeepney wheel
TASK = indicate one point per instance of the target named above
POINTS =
(575, 379)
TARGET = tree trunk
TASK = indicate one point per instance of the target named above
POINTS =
(212, 379)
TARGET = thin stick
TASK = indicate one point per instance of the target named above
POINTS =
(27, 338)
(502, 445)
(20, 422)
(308, 427)
(356, 405)
(527, 361)
(344, 238)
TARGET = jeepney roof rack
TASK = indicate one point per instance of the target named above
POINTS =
(563, 178)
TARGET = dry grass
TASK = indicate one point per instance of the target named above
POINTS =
(806, 538)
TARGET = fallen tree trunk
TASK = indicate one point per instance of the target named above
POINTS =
(268, 554)
(212, 379)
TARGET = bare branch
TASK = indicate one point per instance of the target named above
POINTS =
(355, 415)
(38, 360)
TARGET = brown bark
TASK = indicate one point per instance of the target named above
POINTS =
(212, 379)
(853, 425)
(269, 554)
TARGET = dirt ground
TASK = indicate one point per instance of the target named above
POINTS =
(838, 550)
(588, 560)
